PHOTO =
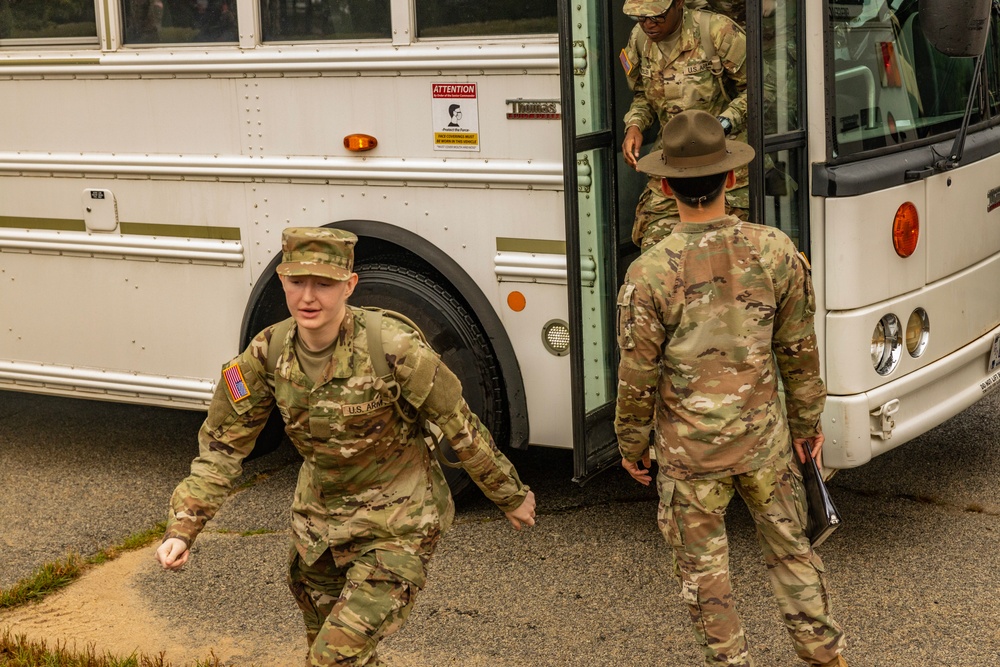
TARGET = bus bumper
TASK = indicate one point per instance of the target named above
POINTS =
(861, 426)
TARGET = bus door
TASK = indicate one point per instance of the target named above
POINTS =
(602, 192)
(593, 236)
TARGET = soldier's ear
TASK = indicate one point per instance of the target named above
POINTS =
(667, 190)
(731, 180)
(352, 282)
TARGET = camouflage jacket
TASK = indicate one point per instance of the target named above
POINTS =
(706, 320)
(368, 480)
(667, 82)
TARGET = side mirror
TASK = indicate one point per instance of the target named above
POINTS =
(956, 28)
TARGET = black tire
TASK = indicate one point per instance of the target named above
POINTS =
(451, 330)
(269, 308)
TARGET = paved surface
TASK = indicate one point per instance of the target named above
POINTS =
(914, 572)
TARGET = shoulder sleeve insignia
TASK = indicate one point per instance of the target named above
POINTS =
(235, 383)
(626, 63)
(805, 261)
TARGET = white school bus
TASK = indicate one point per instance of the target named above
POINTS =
(152, 151)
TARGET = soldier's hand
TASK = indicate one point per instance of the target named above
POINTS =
(815, 448)
(767, 7)
(525, 512)
(173, 554)
(641, 475)
(631, 146)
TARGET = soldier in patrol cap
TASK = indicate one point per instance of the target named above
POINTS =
(679, 58)
(707, 319)
(371, 500)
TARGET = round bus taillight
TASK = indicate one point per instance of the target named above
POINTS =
(905, 229)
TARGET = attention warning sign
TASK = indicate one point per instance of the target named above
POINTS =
(455, 115)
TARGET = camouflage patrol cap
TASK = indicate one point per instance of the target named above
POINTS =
(646, 7)
(317, 251)
(694, 144)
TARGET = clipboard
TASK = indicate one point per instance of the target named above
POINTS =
(823, 517)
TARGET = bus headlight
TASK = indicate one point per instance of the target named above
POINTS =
(918, 330)
(555, 337)
(886, 344)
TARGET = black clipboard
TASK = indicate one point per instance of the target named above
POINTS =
(823, 517)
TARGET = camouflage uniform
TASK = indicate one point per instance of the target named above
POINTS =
(706, 321)
(371, 500)
(666, 83)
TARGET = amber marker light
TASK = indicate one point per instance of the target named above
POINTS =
(516, 301)
(360, 142)
(905, 229)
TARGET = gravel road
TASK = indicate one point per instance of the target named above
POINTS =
(914, 572)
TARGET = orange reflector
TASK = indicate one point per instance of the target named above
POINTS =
(905, 229)
(360, 142)
(516, 301)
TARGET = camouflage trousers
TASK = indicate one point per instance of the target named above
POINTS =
(348, 610)
(656, 214)
(692, 518)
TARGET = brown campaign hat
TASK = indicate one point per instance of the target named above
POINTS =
(646, 7)
(317, 251)
(694, 144)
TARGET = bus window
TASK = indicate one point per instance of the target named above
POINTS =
(465, 18)
(287, 20)
(784, 174)
(878, 99)
(179, 21)
(30, 21)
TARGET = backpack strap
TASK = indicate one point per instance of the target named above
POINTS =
(277, 343)
(376, 352)
(705, 28)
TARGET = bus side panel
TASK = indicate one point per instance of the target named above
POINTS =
(297, 115)
(144, 302)
(170, 116)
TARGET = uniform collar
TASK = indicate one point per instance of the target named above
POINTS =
(686, 41)
(707, 226)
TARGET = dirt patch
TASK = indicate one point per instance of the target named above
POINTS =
(107, 609)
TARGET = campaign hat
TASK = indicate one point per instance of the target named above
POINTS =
(694, 144)
(317, 251)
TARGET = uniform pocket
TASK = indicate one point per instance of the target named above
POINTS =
(626, 317)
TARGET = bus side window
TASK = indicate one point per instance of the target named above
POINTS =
(179, 21)
(71, 22)
(286, 20)
(466, 18)
(784, 175)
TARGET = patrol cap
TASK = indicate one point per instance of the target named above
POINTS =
(317, 251)
(646, 7)
(694, 144)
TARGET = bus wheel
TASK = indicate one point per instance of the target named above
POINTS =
(451, 330)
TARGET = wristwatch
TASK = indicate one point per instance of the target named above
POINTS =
(727, 125)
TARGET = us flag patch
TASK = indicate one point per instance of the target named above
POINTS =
(235, 382)
(626, 63)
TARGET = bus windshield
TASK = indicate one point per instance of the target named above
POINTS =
(891, 86)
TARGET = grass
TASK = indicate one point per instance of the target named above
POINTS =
(53, 576)
(18, 651)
